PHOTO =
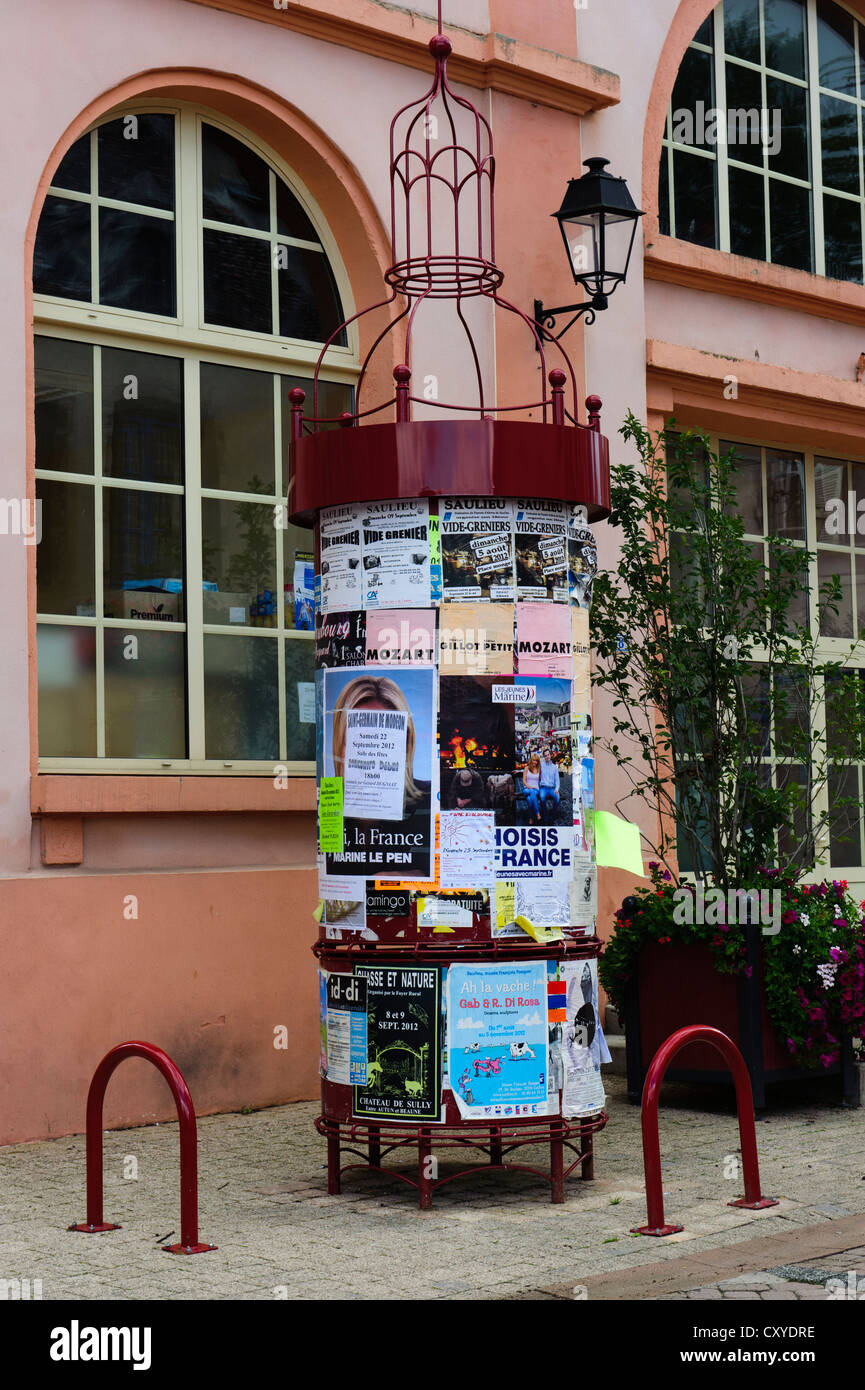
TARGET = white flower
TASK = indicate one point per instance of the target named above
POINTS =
(804, 919)
(797, 950)
(827, 973)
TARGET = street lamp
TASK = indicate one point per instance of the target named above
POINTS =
(598, 220)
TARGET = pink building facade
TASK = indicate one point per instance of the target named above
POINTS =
(194, 190)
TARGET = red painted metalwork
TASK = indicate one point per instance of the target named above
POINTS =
(443, 238)
(495, 1140)
(189, 1243)
(656, 1226)
(441, 458)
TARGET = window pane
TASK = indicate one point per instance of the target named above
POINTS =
(240, 559)
(65, 569)
(291, 220)
(790, 220)
(299, 671)
(842, 229)
(142, 416)
(136, 160)
(785, 490)
(143, 554)
(136, 262)
(840, 137)
(696, 200)
(241, 704)
(237, 448)
(747, 214)
(795, 842)
(64, 405)
(785, 36)
(61, 259)
(835, 47)
(664, 195)
(837, 623)
(787, 129)
(845, 835)
(237, 282)
(830, 485)
(236, 181)
(748, 482)
(145, 694)
(297, 563)
(309, 305)
(742, 29)
(66, 658)
(860, 595)
(693, 86)
(73, 170)
(705, 33)
(745, 99)
(792, 713)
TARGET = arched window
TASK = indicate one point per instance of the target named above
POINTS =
(183, 283)
(763, 147)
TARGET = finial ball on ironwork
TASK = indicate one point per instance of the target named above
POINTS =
(402, 372)
(557, 377)
(296, 395)
(593, 404)
(440, 46)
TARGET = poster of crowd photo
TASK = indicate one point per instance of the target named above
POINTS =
(542, 737)
(379, 744)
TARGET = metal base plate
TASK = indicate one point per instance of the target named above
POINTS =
(655, 1230)
(188, 1249)
(95, 1230)
(755, 1206)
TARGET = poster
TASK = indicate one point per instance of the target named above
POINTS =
(544, 639)
(476, 746)
(306, 702)
(541, 534)
(477, 548)
(388, 832)
(535, 851)
(340, 639)
(582, 560)
(304, 591)
(584, 891)
(435, 559)
(544, 902)
(403, 1079)
(341, 548)
(476, 638)
(374, 765)
(581, 696)
(582, 1041)
(346, 1029)
(322, 1022)
(497, 1039)
(401, 637)
(466, 848)
(542, 737)
(396, 557)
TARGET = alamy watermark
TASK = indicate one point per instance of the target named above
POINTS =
(738, 906)
(21, 516)
(739, 125)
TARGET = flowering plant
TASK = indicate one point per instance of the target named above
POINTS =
(813, 966)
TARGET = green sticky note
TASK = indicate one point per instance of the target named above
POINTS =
(435, 545)
(330, 832)
(617, 844)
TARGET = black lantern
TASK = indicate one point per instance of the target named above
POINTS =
(598, 220)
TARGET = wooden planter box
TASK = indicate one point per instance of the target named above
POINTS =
(679, 984)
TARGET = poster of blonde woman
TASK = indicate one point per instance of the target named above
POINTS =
(379, 740)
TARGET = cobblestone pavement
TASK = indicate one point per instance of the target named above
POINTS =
(264, 1202)
(840, 1276)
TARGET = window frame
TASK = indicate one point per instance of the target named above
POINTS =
(719, 154)
(829, 648)
(188, 338)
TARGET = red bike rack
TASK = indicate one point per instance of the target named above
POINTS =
(189, 1243)
(752, 1199)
